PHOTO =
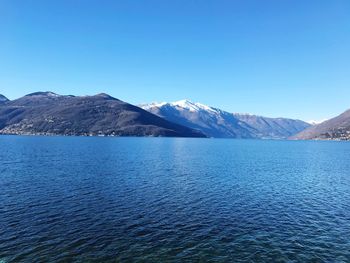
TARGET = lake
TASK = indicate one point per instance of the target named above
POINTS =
(92, 199)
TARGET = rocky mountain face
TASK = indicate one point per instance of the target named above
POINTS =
(217, 123)
(337, 128)
(47, 113)
(3, 99)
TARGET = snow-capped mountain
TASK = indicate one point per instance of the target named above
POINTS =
(182, 104)
(215, 122)
(315, 122)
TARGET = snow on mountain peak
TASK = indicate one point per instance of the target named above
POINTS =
(315, 122)
(184, 104)
(148, 106)
(44, 94)
(191, 106)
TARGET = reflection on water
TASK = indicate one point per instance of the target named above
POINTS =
(161, 199)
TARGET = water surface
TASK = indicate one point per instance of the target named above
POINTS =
(79, 199)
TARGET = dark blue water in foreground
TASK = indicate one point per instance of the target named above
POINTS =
(71, 199)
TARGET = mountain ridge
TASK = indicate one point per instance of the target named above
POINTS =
(3, 99)
(48, 113)
(215, 122)
(337, 128)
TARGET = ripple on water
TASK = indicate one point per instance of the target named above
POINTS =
(173, 200)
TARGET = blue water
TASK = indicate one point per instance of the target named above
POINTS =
(79, 199)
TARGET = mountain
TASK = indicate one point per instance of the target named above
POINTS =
(337, 128)
(272, 128)
(3, 99)
(214, 122)
(47, 113)
(315, 122)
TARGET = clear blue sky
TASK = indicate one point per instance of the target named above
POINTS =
(274, 58)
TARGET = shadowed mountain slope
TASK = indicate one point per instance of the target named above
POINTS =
(48, 113)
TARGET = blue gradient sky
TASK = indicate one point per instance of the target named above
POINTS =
(274, 58)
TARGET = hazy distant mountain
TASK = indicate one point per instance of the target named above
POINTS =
(218, 123)
(337, 128)
(273, 128)
(48, 113)
(3, 99)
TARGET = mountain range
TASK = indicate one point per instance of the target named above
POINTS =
(215, 122)
(47, 113)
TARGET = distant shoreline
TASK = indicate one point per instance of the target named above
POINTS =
(170, 137)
